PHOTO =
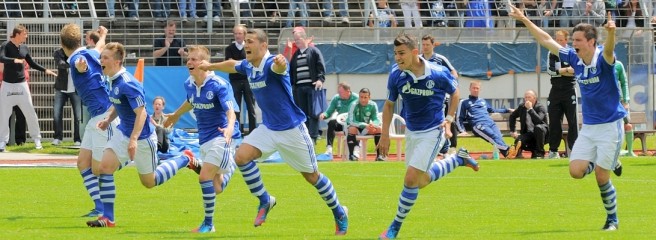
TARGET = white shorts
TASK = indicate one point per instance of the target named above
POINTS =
(423, 147)
(599, 143)
(294, 145)
(218, 153)
(95, 139)
(146, 156)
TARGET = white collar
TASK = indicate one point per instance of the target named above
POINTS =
(209, 77)
(426, 71)
(118, 73)
(239, 46)
(262, 62)
(593, 63)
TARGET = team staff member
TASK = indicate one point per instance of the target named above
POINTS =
(14, 90)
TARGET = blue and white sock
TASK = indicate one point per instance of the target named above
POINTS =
(406, 201)
(609, 198)
(327, 192)
(209, 198)
(251, 174)
(590, 169)
(107, 195)
(168, 169)
(91, 184)
(226, 179)
(443, 167)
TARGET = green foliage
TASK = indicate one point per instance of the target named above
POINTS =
(533, 199)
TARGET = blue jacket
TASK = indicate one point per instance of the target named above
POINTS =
(474, 111)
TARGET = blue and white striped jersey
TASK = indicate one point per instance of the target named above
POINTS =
(211, 101)
(600, 95)
(423, 96)
(127, 94)
(273, 93)
(90, 85)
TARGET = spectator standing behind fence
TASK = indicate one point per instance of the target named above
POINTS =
(302, 6)
(632, 15)
(14, 90)
(478, 14)
(410, 13)
(589, 11)
(161, 10)
(340, 104)
(169, 49)
(328, 11)
(534, 127)
(475, 111)
(65, 91)
(191, 4)
(240, 86)
(216, 10)
(133, 9)
(562, 98)
(385, 18)
(566, 13)
(272, 11)
(307, 73)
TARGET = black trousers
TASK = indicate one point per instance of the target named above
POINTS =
(557, 109)
(241, 88)
(162, 140)
(303, 99)
(534, 141)
(333, 126)
(21, 127)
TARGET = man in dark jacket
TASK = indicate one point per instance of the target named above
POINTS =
(534, 127)
(240, 86)
(307, 73)
(65, 91)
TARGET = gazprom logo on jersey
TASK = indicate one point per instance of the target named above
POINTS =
(115, 100)
(201, 105)
(260, 84)
(408, 89)
(587, 81)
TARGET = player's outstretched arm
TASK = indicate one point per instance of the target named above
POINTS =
(609, 45)
(227, 66)
(173, 118)
(100, 45)
(279, 64)
(540, 36)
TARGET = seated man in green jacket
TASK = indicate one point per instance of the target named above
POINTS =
(363, 119)
(340, 104)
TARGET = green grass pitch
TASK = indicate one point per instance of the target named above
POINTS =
(520, 199)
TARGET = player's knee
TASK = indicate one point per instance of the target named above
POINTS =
(576, 173)
(628, 127)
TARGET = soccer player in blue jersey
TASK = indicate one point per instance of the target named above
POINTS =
(214, 104)
(422, 86)
(600, 139)
(89, 83)
(136, 139)
(282, 129)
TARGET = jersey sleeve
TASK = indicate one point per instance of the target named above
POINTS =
(241, 67)
(226, 98)
(392, 91)
(132, 91)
